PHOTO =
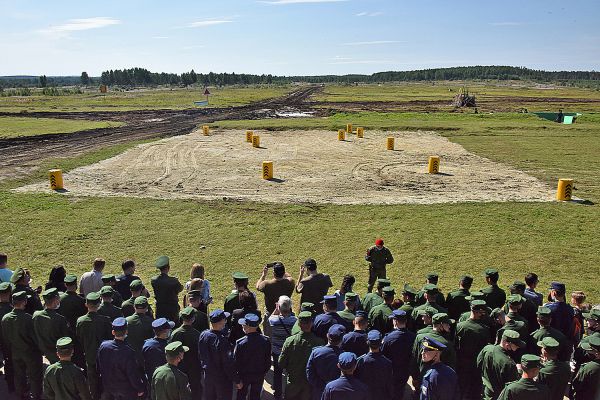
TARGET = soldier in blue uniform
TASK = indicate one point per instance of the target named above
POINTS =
(252, 359)
(153, 350)
(214, 351)
(397, 347)
(562, 312)
(321, 366)
(375, 370)
(347, 386)
(116, 363)
(329, 317)
(356, 341)
(440, 381)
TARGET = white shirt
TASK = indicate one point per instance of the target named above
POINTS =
(90, 282)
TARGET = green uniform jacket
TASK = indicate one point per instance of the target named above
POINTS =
(564, 352)
(439, 298)
(189, 337)
(448, 357)
(415, 314)
(72, 306)
(166, 290)
(371, 300)
(92, 329)
(494, 296)
(64, 381)
(201, 322)
(580, 355)
(555, 375)
(139, 328)
(49, 326)
(457, 304)
(128, 308)
(524, 389)
(232, 302)
(408, 308)
(117, 299)
(169, 383)
(470, 338)
(5, 308)
(109, 310)
(586, 384)
(294, 357)
(497, 369)
(378, 318)
(346, 315)
(18, 334)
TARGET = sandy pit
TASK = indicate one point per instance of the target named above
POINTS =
(309, 166)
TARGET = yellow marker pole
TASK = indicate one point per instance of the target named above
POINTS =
(341, 135)
(56, 179)
(349, 128)
(564, 190)
(267, 170)
(360, 132)
(434, 165)
(205, 130)
(390, 143)
(249, 136)
(255, 141)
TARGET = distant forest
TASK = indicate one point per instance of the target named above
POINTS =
(143, 77)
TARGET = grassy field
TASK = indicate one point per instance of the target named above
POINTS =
(141, 99)
(11, 127)
(556, 240)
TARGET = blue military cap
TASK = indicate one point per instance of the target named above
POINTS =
(361, 313)
(119, 324)
(218, 315)
(558, 286)
(347, 360)
(336, 331)
(432, 344)
(162, 323)
(374, 336)
(397, 314)
(329, 299)
(250, 320)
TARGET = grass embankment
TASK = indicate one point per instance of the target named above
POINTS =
(12, 127)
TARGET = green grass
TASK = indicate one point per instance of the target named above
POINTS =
(141, 99)
(11, 127)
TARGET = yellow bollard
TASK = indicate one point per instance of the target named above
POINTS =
(434, 165)
(360, 132)
(341, 135)
(390, 143)
(249, 136)
(564, 190)
(255, 141)
(349, 128)
(205, 130)
(56, 179)
(267, 170)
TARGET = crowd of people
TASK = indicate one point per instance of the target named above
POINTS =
(102, 339)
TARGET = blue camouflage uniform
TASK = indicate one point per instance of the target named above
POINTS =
(252, 360)
(397, 347)
(321, 367)
(375, 370)
(347, 386)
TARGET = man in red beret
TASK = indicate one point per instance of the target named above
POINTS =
(378, 257)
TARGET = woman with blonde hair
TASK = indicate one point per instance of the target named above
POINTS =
(197, 282)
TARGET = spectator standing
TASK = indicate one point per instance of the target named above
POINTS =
(197, 274)
(493, 295)
(346, 287)
(531, 280)
(375, 370)
(57, 279)
(124, 280)
(240, 283)
(562, 313)
(92, 281)
(166, 290)
(5, 272)
(314, 286)
(378, 257)
(281, 321)
(281, 284)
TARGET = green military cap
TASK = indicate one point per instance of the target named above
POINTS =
(514, 298)
(442, 318)
(188, 313)
(93, 298)
(513, 337)
(592, 344)
(432, 275)
(136, 284)
(64, 343)
(516, 285)
(383, 282)
(140, 302)
(307, 306)
(530, 361)
(407, 289)
(305, 315)
(19, 296)
(70, 279)
(50, 293)
(496, 312)
(108, 278)
(491, 272)
(107, 291)
(17, 275)
(239, 276)
(428, 310)
(175, 348)
(544, 311)
(5, 287)
(389, 291)
(162, 262)
(349, 296)
(548, 343)
(478, 305)
(594, 315)
(430, 288)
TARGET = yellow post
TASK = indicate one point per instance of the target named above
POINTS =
(56, 179)
(434, 165)
(349, 128)
(267, 170)
(390, 143)
(360, 132)
(565, 190)
(255, 141)
(341, 135)
(205, 130)
(249, 136)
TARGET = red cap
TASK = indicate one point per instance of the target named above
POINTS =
(379, 242)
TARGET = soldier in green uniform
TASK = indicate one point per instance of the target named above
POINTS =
(232, 301)
(408, 297)
(107, 308)
(166, 291)
(471, 337)
(431, 295)
(425, 317)
(139, 327)
(473, 296)
(378, 257)
(49, 326)
(544, 315)
(137, 289)
(592, 320)
(168, 382)
(63, 380)
(21, 281)
(494, 296)
(188, 336)
(92, 329)
(111, 280)
(18, 334)
(306, 306)
(456, 301)
(514, 303)
(201, 322)
(72, 305)
(5, 308)
(431, 279)
(378, 316)
(528, 308)
(496, 366)
(294, 357)
(555, 374)
(526, 388)
(351, 305)
(372, 299)
(586, 384)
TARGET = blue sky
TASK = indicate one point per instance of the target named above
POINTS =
(295, 37)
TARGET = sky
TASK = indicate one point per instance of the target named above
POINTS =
(295, 37)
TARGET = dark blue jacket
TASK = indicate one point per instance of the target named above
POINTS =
(321, 368)
(324, 321)
(154, 355)
(397, 347)
(214, 352)
(355, 342)
(440, 383)
(562, 317)
(118, 370)
(375, 371)
(347, 388)
(252, 357)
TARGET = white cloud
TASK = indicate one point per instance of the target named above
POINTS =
(374, 42)
(209, 22)
(370, 14)
(281, 2)
(82, 24)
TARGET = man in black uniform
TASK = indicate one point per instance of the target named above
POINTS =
(166, 290)
(124, 281)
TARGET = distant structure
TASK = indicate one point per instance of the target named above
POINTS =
(464, 99)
